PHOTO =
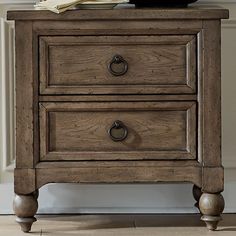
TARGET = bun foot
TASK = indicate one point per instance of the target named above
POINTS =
(211, 221)
(25, 223)
(211, 206)
(25, 207)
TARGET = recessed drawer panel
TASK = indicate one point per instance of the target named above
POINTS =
(117, 130)
(118, 65)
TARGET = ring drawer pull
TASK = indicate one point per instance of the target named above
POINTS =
(118, 125)
(117, 59)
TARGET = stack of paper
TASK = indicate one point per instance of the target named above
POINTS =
(59, 6)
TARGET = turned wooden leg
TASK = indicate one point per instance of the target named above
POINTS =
(211, 206)
(25, 207)
(36, 194)
(197, 194)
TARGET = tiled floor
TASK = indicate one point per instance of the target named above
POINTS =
(119, 225)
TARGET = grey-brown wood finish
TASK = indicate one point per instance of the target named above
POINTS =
(79, 131)
(168, 99)
(198, 13)
(24, 96)
(25, 207)
(79, 65)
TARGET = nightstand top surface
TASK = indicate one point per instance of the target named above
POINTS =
(124, 13)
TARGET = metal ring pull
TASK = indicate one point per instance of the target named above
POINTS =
(116, 60)
(118, 131)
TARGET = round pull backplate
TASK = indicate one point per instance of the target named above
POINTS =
(118, 66)
(118, 131)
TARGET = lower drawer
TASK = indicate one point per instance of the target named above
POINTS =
(117, 130)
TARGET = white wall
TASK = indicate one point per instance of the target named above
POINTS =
(72, 198)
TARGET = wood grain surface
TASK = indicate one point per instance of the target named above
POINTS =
(119, 175)
(156, 64)
(24, 96)
(79, 131)
(169, 100)
(123, 14)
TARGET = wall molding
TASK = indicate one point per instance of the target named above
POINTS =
(229, 164)
(12, 2)
(7, 95)
(231, 23)
(3, 94)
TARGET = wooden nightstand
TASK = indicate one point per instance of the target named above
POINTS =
(118, 96)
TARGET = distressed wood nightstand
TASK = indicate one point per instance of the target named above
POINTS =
(118, 96)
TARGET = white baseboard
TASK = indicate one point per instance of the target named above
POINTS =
(117, 199)
(120, 210)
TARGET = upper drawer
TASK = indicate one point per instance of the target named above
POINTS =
(118, 64)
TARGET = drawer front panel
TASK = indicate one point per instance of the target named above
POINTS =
(148, 64)
(150, 130)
